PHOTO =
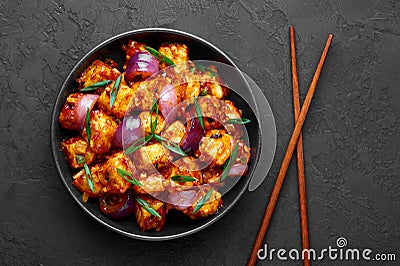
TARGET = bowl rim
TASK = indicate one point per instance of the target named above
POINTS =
(54, 119)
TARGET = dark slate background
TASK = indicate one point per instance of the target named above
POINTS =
(351, 135)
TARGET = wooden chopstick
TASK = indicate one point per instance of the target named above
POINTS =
(286, 159)
(299, 151)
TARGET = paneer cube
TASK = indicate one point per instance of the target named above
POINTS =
(113, 182)
(177, 52)
(152, 183)
(102, 129)
(215, 146)
(145, 120)
(77, 146)
(217, 90)
(146, 91)
(188, 85)
(122, 101)
(175, 132)
(221, 112)
(96, 72)
(211, 175)
(243, 154)
(232, 112)
(214, 85)
(68, 116)
(147, 156)
(147, 221)
(212, 107)
(81, 183)
(171, 170)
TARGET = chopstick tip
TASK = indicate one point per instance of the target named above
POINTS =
(291, 33)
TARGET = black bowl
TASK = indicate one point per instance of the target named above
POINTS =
(177, 225)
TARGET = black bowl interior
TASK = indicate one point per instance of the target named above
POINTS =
(177, 225)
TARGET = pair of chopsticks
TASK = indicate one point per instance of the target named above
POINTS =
(295, 142)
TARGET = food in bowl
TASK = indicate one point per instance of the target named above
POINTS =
(155, 136)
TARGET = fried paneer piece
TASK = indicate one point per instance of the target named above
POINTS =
(211, 175)
(152, 183)
(145, 122)
(221, 112)
(175, 132)
(113, 182)
(147, 156)
(67, 117)
(147, 221)
(209, 208)
(232, 112)
(211, 106)
(243, 154)
(96, 72)
(217, 109)
(81, 183)
(146, 91)
(77, 146)
(122, 101)
(177, 52)
(215, 146)
(192, 81)
(214, 84)
(170, 170)
(102, 129)
(216, 89)
(132, 48)
(188, 84)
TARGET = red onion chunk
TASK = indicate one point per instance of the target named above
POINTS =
(141, 64)
(182, 199)
(238, 169)
(191, 142)
(117, 205)
(86, 102)
(168, 99)
(128, 131)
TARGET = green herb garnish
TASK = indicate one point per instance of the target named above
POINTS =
(114, 91)
(198, 112)
(80, 159)
(96, 85)
(134, 147)
(172, 146)
(203, 93)
(202, 201)
(89, 176)
(147, 207)
(191, 69)
(153, 125)
(159, 56)
(165, 142)
(228, 166)
(241, 121)
(88, 125)
(183, 178)
(205, 69)
(123, 173)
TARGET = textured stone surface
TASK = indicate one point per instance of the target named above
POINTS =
(351, 138)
